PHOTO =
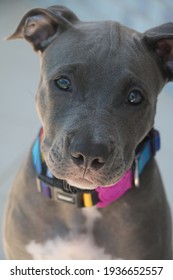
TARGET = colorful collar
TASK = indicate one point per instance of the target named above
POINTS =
(60, 190)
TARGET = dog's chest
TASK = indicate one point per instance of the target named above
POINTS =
(74, 246)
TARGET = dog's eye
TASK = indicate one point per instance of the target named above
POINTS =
(63, 83)
(135, 97)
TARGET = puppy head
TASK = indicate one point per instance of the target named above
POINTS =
(98, 91)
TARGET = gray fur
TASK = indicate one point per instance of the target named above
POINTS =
(91, 133)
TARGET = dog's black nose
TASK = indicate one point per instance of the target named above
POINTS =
(88, 154)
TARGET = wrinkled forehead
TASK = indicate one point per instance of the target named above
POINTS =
(100, 47)
(91, 41)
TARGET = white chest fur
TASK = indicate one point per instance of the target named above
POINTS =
(72, 247)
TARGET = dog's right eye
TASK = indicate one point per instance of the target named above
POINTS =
(135, 97)
(63, 83)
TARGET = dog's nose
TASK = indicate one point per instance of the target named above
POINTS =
(88, 154)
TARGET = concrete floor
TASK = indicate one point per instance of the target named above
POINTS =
(20, 74)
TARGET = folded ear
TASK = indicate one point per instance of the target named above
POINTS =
(160, 40)
(41, 26)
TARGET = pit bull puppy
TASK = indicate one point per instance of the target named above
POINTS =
(90, 187)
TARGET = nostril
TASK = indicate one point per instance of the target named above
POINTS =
(80, 160)
(77, 158)
(97, 163)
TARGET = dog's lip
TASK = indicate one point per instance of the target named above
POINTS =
(82, 183)
(95, 182)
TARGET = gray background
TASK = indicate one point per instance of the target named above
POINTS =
(19, 76)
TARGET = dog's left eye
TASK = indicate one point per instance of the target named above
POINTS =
(135, 97)
(63, 83)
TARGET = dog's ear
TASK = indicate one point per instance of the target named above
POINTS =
(160, 41)
(40, 26)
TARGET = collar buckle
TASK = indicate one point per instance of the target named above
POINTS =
(50, 189)
(58, 195)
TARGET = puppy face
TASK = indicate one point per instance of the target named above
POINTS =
(97, 93)
(96, 100)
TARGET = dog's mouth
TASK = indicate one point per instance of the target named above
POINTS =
(82, 183)
(86, 184)
(85, 179)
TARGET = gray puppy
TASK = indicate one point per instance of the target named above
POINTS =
(100, 191)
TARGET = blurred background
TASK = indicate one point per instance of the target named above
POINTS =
(19, 76)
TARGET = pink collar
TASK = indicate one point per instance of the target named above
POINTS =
(59, 190)
(107, 195)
